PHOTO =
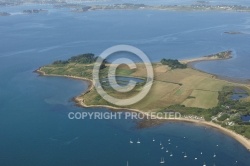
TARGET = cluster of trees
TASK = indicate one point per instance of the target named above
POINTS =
(225, 99)
(223, 117)
(88, 58)
(82, 59)
(234, 109)
(173, 63)
(60, 62)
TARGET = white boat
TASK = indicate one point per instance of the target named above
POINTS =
(195, 158)
(171, 155)
(185, 156)
(169, 140)
(201, 153)
(127, 163)
(204, 164)
(162, 147)
(162, 160)
(138, 141)
(160, 143)
(214, 155)
(167, 151)
(131, 141)
(153, 140)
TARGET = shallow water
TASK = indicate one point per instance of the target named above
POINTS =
(238, 94)
(245, 118)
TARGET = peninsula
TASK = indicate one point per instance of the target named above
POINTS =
(200, 97)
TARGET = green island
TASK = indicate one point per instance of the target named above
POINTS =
(200, 97)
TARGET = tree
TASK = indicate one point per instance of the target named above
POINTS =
(173, 64)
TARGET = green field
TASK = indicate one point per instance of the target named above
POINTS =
(187, 87)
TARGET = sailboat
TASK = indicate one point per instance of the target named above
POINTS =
(131, 141)
(162, 160)
(214, 155)
(138, 141)
(185, 156)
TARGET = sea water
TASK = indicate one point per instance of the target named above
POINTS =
(34, 124)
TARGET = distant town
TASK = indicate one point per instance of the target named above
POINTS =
(197, 7)
(80, 6)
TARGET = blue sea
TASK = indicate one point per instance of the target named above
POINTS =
(34, 124)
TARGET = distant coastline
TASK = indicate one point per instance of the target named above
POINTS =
(81, 7)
